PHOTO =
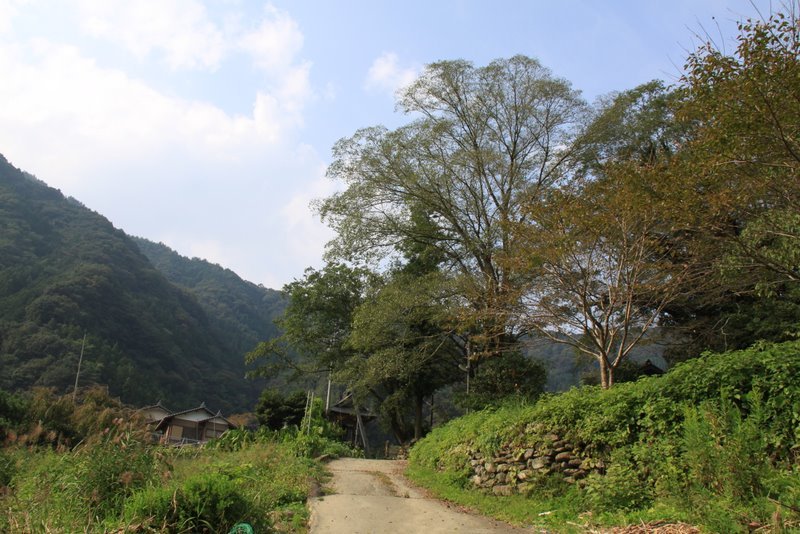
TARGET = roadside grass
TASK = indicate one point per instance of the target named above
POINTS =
(518, 510)
(565, 511)
(713, 443)
(174, 490)
(115, 480)
(269, 479)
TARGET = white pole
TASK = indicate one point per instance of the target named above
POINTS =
(328, 395)
(78, 374)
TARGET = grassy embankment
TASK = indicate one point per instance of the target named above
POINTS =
(712, 443)
(115, 481)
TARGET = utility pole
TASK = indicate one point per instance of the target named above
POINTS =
(328, 394)
(78, 374)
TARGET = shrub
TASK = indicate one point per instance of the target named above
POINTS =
(715, 437)
(276, 410)
(317, 436)
(206, 502)
(79, 489)
(12, 413)
(214, 489)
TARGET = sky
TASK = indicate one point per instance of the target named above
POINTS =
(207, 125)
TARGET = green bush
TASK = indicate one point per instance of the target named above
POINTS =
(207, 502)
(635, 476)
(724, 451)
(237, 439)
(115, 484)
(496, 379)
(79, 489)
(715, 436)
(276, 410)
(315, 436)
(12, 413)
(212, 489)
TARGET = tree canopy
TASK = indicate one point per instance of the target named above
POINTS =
(507, 210)
(484, 141)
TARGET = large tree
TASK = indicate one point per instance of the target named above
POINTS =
(386, 339)
(406, 349)
(735, 187)
(316, 323)
(742, 174)
(602, 267)
(484, 141)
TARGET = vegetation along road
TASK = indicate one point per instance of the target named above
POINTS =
(372, 496)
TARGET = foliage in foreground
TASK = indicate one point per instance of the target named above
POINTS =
(264, 484)
(121, 484)
(115, 479)
(713, 441)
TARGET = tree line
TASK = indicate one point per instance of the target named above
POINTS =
(508, 207)
(157, 325)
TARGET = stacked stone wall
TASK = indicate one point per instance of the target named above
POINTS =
(515, 470)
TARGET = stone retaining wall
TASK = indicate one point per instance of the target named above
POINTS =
(516, 470)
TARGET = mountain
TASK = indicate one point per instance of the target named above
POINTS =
(241, 313)
(66, 272)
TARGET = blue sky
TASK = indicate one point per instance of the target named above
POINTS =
(207, 125)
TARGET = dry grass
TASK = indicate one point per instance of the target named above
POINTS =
(654, 527)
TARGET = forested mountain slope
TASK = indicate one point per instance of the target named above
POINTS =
(65, 271)
(241, 313)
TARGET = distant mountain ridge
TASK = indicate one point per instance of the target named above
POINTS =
(240, 310)
(177, 333)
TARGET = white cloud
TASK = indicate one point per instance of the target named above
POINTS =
(273, 47)
(178, 29)
(300, 220)
(275, 42)
(83, 112)
(177, 169)
(386, 74)
(8, 10)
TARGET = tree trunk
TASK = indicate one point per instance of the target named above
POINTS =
(605, 373)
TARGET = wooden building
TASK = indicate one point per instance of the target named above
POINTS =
(154, 413)
(193, 426)
(347, 414)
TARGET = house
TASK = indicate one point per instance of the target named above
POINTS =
(347, 414)
(154, 413)
(196, 425)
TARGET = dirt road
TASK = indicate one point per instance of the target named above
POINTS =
(372, 496)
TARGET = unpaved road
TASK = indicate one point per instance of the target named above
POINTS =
(372, 496)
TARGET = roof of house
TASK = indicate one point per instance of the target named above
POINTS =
(347, 405)
(202, 408)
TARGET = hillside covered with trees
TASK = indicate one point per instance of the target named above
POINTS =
(66, 272)
(240, 312)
